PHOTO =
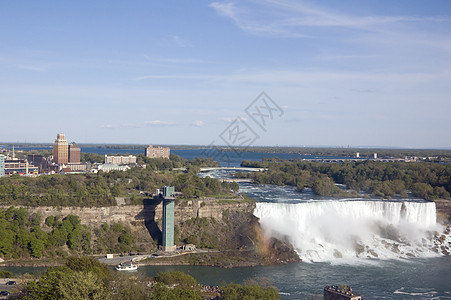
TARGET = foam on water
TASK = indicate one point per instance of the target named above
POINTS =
(344, 230)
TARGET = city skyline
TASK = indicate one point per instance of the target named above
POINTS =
(373, 73)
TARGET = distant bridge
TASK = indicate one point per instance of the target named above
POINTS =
(232, 168)
(352, 159)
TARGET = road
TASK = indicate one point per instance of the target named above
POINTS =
(9, 288)
(118, 259)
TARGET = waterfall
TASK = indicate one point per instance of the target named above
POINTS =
(348, 229)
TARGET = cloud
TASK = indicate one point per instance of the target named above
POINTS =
(292, 18)
(361, 90)
(35, 68)
(191, 77)
(288, 77)
(159, 123)
(198, 123)
(227, 119)
(245, 22)
(226, 9)
(179, 41)
(172, 60)
(121, 126)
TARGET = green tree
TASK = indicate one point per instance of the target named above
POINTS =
(176, 278)
(126, 239)
(6, 274)
(423, 190)
(6, 241)
(82, 286)
(50, 221)
(36, 247)
(74, 239)
(36, 218)
(234, 291)
(162, 292)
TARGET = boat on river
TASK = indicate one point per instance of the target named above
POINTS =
(127, 267)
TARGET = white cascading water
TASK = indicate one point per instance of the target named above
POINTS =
(349, 229)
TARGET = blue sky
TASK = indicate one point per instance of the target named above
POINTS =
(358, 73)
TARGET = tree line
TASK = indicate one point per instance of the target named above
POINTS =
(380, 179)
(101, 189)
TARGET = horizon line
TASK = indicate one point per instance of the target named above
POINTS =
(447, 148)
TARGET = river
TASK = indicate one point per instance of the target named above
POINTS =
(417, 278)
(225, 158)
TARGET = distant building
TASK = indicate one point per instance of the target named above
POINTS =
(375, 155)
(2, 165)
(168, 219)
(64, 153)
(38, 161)
(60, 149)
(357, 155)
(66, 170)
(340, 293)
(19, 166)
(74, 154)
(111, 167)
(80, 167)
(120, 160)
(157, 152)
(189, 247)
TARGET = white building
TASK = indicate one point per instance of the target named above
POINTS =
(111, 167)
(120, 160)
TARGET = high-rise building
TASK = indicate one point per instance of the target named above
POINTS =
(157, 152)
(60, 149)
(168, 219)
(2, 165)
(74, 154)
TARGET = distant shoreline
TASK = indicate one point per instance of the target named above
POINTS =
(283, 149)
(364, 152)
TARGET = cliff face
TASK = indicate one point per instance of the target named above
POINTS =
(443, 211)
(227, 226)
(133, 215)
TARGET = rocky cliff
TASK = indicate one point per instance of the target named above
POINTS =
(227, 227)
(443, 210)
(134, 215)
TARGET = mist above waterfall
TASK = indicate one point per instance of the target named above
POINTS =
(348, 229)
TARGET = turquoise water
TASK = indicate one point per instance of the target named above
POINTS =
(395, 279)
(17, 271)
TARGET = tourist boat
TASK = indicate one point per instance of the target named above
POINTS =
(126, 267)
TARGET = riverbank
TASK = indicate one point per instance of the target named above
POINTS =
(36, 262)
(200, 257)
